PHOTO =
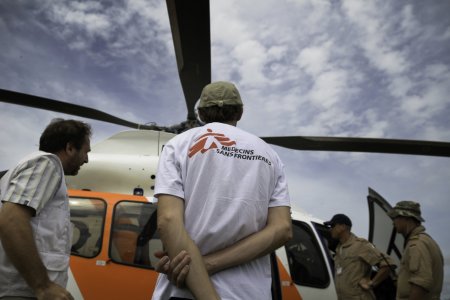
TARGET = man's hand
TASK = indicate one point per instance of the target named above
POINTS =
(366, 284)
(176, 270)
(53, 291)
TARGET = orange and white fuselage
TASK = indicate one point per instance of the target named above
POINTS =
(102, 274)
(115, 236)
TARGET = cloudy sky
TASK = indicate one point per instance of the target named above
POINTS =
(303, 67)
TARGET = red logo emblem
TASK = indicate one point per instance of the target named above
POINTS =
(209, 141)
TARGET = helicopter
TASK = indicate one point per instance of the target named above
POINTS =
(194, 68)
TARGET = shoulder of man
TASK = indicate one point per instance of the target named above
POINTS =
(35, 158)
(185, 138)
(365, 244)
(354, 241)
(52, 159)
(363, 241)
(418, 237)
(417, 241)
(360, 239)
(50, 156)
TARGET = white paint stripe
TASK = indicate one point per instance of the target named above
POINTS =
(73, 288)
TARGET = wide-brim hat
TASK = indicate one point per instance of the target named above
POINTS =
(407, 209)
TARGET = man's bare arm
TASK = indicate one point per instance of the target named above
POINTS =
(276, 233)
(17, 239)
(175, 239)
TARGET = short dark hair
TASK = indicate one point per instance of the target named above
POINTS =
(222, 114)
(60, 132)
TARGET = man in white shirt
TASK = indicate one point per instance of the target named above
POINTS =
(223, 200)
(35, 231)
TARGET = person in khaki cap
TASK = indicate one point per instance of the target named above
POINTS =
(223, 198)
(421, 268)
(353, 262)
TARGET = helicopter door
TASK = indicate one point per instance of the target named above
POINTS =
(308, 261)
(381, 229)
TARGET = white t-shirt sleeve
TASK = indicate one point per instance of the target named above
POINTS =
(280, 196)
(168, 176)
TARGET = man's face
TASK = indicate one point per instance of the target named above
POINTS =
(335, 231)
(77, 157)
(400, 224)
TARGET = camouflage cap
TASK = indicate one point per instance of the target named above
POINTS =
(407, 209)
(219, 93)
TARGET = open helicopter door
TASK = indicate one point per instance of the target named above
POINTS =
(306, 266)
(381, 229)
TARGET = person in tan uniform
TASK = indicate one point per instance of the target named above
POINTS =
(353, 262)
(422, 265)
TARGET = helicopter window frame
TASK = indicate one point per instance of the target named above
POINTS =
(134, 232)
(299, 255)
(84, 231)
(328, 243)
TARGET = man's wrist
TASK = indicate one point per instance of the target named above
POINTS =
(209, 264)
(42, 287)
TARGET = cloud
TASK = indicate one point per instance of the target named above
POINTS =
(87, 17)
(409, 24)
(426, 103)
(314, 59)
(373, 35)
(250, 56)
(328, 88)
(124, 29)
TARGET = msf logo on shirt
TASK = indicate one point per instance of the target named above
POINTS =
(210, 140)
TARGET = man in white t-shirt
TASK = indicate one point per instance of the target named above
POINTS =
(222, 200)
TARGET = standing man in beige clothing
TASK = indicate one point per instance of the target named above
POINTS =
(422, 267)
(353, 262)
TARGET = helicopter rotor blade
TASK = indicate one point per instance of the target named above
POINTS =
(190, 25)
(66, 108)
(315, 143)
(374, 145)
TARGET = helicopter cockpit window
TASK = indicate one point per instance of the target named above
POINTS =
(306, 263)
(134, 238)
(87, 217)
